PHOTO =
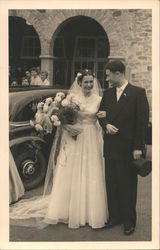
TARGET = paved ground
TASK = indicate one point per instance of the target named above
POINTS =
(61, 232)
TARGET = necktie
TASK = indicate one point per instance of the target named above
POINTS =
(119, 92)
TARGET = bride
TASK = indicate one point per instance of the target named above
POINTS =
(78, 193)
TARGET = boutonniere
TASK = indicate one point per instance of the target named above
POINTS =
(125, 94)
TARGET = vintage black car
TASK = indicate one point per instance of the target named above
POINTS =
(30, 151)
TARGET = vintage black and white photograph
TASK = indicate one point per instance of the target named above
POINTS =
(80, 124)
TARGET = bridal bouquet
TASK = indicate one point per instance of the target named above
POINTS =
(60, 111)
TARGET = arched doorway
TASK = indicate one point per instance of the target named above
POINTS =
(80, 43)
(24, 46)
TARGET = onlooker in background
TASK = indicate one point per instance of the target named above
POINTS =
(35, 79)
(14, 82)
(25, 81)
(38, 70)
(44, 78)
(28, 75)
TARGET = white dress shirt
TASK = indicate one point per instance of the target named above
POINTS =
(119, 90)
(46, 82)
(36, 80)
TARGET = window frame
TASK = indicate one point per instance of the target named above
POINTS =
(94, 59)
(22, 48)
(64, 55)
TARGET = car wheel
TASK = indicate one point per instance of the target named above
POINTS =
(32, 171)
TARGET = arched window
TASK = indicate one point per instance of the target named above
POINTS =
(30, 47)
(90, 53)
(81, 43)
(24, 44)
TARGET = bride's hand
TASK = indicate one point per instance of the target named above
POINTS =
(101, 114)
(73, 130)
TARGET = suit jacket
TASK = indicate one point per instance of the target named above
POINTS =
(130, 115)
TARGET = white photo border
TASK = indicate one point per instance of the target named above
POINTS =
(5, 5)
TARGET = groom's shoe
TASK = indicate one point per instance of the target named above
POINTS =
(110, 224)
(129, 230)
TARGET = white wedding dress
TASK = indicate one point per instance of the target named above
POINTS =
(78, 195)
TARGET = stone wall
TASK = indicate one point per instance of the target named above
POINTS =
(129, 33)
(135, 46)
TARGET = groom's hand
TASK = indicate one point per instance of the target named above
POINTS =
(137, 154)
(110, 129)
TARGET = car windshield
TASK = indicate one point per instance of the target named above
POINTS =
(27, 113)
(23, 104)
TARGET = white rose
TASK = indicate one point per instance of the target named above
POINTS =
(58, 99)
(40, 105)
(65, 103)
(39, 117)
(45, 108)
(54, 118)
(57, 123)
(31, 123)
(60, 94)
(49, 100)
(38, 127)
(53, 104)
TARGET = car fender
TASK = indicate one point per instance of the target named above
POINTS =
(23, 139)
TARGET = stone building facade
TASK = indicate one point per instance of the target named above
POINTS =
(127, 32)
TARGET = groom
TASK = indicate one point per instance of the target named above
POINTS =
(125, 125)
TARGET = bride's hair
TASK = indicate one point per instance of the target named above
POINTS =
(82, 73)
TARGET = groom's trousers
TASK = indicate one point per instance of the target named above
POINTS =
(121, 185)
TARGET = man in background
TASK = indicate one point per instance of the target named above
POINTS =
(35, 78)
(44, 78)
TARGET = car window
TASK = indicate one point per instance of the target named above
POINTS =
(27, 113)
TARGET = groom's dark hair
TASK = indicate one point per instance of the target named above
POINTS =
(116, 65)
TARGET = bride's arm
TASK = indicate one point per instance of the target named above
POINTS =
(101, 114)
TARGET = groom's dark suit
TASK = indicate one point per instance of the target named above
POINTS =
(130, 115)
